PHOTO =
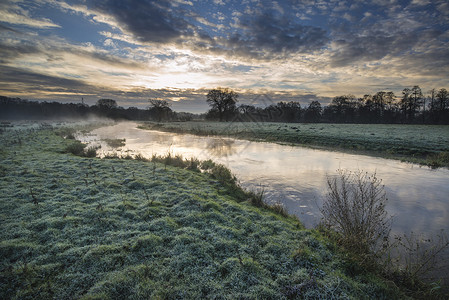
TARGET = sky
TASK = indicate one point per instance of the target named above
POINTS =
(266, 51)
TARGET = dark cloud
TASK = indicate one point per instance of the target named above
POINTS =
(267, 35)
(264, 35)
(149, 21)
(369, 48)
(5, 28)
(374, 45)
(380, 30)
(14, 48)
(19, 81)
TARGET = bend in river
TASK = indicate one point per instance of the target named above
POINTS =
(296, 176)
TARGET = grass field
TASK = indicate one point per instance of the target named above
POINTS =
(424, 144)
(84, 228)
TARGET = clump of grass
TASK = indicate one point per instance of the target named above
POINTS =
(207, 165)
(177, 161)
(222, 174)
(75, 148)
(111, 155)
(194, 164)
(279, 208)
(140, 157)
(256, 197)
(115, 143)
(438, 160)
(79, 149)
(91, 151)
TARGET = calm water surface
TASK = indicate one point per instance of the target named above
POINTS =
(418, 197)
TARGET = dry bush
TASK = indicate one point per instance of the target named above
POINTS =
(420, 256)
(355, 208)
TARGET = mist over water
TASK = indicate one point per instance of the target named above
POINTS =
(296, 176)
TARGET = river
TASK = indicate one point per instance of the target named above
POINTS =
(417, 196)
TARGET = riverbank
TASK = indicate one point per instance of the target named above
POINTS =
(421, 144)
(89, 228)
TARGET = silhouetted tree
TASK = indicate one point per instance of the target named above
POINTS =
(366, 108)
(247, 112)
(223, 103)
(383, 106)
(417, 97)
(290, 111)
(411, 102)
(313, 112)
(440, 107)
(406, 104)
(442, 99)
(342, 109)
(106, 104)
(246, 109)
(160, 110)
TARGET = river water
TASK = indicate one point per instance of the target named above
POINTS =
(418, 197)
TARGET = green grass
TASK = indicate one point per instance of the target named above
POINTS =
(83, 228)
(423, 144)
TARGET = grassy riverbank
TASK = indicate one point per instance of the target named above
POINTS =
(423, 144)
(77, 227)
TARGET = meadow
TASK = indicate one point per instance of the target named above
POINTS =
(77, 227)
(423, 144)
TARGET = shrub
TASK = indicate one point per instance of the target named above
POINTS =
(355, 208)
(76, 148)
(140, 157)
(223, 174)
(256, 197)
(193, 164)
(115, 143)
(421, 255)
(91, 152)
(279, 208)
(207, 165)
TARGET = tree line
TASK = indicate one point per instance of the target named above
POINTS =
(158, 110)
(412, 107)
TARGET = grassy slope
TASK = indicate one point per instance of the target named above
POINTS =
(95, 234)
(425, 144)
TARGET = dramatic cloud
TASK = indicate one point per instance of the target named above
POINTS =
(18, 81)
(264, 36)
(148, 21)
(291, 50)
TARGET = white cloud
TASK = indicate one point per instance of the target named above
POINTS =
(14, 14)
(420, 2)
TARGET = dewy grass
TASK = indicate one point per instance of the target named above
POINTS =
(423, 144)
(129, 229)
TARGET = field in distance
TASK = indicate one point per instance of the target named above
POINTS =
(423, 144)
